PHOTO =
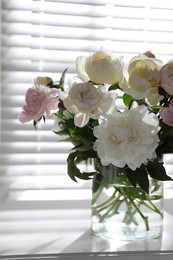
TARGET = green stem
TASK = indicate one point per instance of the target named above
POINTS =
(130, 213)
(156, 209)
(153, 207)
(107, 212)
(133, 203)
(105, 203)
(96, 213)
(97, 194)
(145, 219)
(118, 203)
(114, 201)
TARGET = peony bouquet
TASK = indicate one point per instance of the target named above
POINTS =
(113, 113)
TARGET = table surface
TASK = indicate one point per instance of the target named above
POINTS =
(64, 232)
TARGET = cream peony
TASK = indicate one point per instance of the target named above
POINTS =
(100, 67)
(141, 81)
(42, 81)
(127, 138)
(87, 101)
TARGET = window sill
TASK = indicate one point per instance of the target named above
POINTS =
(65, 233)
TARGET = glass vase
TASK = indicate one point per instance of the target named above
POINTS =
(122, 212)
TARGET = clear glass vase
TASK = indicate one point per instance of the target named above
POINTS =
(123, 212)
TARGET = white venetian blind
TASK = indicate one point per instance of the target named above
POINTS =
(42, 38)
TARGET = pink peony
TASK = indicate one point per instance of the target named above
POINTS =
(166, 114)
(40, 100)
(166, 77)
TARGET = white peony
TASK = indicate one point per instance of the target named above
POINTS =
(88, 101)
(127, 138)
(100, 67)
(140, 80)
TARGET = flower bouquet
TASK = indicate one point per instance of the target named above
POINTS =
(119, 117)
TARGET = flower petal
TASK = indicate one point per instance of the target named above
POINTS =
(81, 120)
(167, 115)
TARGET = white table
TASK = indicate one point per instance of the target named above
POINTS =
(62, 234)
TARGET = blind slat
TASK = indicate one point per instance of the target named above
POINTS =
(28, 147)
(85, 33)
(46, 182)
(121, 17)
(102, 9)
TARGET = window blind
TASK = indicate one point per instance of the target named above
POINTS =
(42, 38)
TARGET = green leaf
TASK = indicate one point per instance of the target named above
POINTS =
(62, 79)
(156, 109)
(128, 100)
(166, 131)
(138, 177)
(85, 155)
(97, 165)
(132, 176)
(114, 86)
(167, 146)
(155, 185)
(62, 132)
(35, 124)
(60, 84)
(157, 171)
(69, 123)
(140, 101)
(143, 180)
(82, 148)
(74, 171)
(44, 119)
(97, 180)
(59, 114)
